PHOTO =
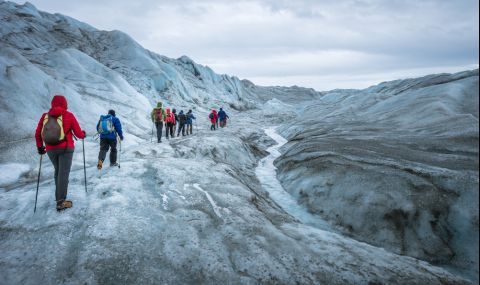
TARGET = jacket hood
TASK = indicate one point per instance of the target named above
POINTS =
(181, 112)
(159, 105)
(168, 110)
(214, 111)
(221, 109)
(59, 106)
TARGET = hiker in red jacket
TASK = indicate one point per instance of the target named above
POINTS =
(213, 119)
(169, 123)
(55, 129)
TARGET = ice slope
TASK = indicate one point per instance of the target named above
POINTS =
(34, 33)
(187, 211)
(43, 54)
(394, 165)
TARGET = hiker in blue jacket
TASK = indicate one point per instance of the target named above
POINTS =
(190, 118)
(109, 127)
(222, 116)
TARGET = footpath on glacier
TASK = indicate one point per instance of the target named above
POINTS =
(189, 210)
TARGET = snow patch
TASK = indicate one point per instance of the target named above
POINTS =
(11, 172)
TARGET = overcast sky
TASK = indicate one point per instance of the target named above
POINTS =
(324, 44)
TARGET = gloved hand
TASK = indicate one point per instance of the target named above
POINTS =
(41, 150)
(121, 138)
(84, 134)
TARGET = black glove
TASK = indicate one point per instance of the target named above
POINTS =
(121, 138)
(41, 150)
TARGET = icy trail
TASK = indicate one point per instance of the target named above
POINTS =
(191, 222)
(267, 174)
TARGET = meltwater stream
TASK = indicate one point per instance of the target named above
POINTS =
(267, 174)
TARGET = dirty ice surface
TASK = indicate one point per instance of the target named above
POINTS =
(185, 211)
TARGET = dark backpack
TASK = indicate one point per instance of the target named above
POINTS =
(158, 115)
(211, 116)
(182, 118)
(52, 131)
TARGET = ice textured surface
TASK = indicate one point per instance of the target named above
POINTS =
(395, 165)
(201, 209)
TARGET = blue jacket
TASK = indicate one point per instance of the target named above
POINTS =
(190, 118)
(118, 129)
(222, 115)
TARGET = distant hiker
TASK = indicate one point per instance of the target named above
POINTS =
(182, 120)
(222, 116)
(158, 117)
(55, 129)
(169, 123)
(175, 124)
(190, 118)
(213, 119)
(109, 127)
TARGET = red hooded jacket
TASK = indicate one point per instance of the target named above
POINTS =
(70, 124)
(169, 117)
(215, 117)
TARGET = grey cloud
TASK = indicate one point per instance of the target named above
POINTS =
(242, 36)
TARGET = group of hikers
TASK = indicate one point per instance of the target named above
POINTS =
(183, 122)
(58, 127)
(216, 117)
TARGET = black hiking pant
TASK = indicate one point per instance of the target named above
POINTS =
(159, 126)
(212, 127)
(105, 144)
(181, 128)
(169, 130)
(62, 162)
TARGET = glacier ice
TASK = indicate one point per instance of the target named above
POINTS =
(193, 209)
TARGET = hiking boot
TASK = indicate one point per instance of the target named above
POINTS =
(114, 164)
(99, 164)
(62, 205)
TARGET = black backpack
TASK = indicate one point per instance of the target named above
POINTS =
(211, 116)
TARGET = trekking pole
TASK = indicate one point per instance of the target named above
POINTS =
(38, 183)
(151, 137)
(120, 150)
(84, 167)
